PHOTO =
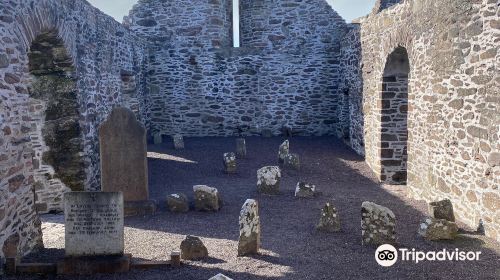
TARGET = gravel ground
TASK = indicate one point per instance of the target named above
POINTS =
(291, 247)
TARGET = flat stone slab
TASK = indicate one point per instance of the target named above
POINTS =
(123, 144)
(93, 223)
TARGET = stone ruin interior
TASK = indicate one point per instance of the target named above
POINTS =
(170, 117)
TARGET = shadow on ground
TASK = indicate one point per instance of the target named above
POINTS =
(292, 248)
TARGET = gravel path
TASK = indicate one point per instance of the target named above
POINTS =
(292, 248)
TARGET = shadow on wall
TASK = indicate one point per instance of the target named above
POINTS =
(394, 118)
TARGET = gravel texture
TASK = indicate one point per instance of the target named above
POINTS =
(291, 246)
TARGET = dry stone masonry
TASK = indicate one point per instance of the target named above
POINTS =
(418, 97)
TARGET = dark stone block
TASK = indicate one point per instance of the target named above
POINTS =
(94, 265)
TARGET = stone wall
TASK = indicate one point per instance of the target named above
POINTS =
(285, 74)
(101, 50)
(453, 101)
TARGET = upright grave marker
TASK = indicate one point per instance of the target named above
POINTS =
(94, 223)
(124, 160)
(94, 236)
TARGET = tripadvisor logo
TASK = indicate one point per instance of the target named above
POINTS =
(387, 255)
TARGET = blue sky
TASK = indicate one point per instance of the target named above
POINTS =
(348, 9)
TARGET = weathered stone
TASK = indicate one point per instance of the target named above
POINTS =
(93, 223)
(220, 276)
(123, 155)
(438, 229)
(178, 141)
(329, 220)
(377, 224)
(442, 210)
(206, 198)
(157, 138)
(241, 148)
(305, 190)
(4, 61)
(192, 248)
(10, 247)
(229, 160)
(249, 242)
(292, 161)
(284, 150)
(268, 180)
(178, 202)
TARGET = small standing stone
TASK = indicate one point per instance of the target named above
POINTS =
(178, 202)
(157, 138)
(241, 148)
(268, 180)
(438, 229)
(206, 198)
(249, 242)
(178, 142)
(292, 161)
(284, 150)
(329, 221)
(192, 248)
(377, 224)
(220, 276)
(305, 190)
(230, 165)
(442, 210)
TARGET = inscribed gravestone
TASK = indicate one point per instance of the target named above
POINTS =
(93, 223)
(123, 155)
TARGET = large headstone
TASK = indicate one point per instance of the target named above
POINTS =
(124, 155)
(93, 223)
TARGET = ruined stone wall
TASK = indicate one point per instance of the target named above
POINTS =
(453, 101)
(100, 49)
(351, 85)
(285, 74)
